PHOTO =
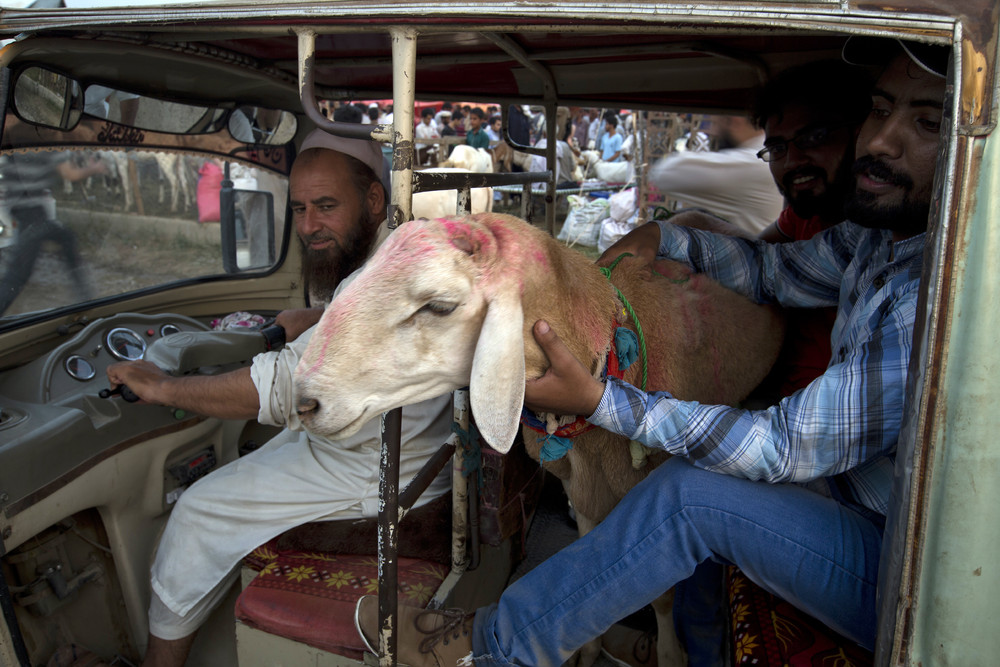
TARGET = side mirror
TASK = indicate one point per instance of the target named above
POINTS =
(247, 228)
(44, 97)
(257, 125)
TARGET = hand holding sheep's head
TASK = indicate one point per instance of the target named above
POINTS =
(434, 310)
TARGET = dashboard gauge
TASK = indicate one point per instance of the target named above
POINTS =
(168, 329)
(125, 344)
(79, 368)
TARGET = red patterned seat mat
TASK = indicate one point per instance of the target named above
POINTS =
(310, 597)
(769, 632)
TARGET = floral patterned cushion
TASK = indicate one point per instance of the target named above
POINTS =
(767, 631)
(310, 597)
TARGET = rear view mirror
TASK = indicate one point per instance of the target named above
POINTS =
(151, 113)
(257, 125)
(48, 98)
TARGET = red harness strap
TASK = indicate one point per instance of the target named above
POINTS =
(580, 424)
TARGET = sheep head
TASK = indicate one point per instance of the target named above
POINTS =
(438, 307)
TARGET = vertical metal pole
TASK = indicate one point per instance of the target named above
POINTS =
(460, 488)
(404, 61)
(404, 65)
(641, 143)
(388, 536)
(464, 201)
(550, 159)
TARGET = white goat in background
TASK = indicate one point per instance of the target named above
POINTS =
(448, 303)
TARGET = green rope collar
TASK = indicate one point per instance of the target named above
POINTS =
(628, 307)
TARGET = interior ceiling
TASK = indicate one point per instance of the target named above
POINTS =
(695, 71)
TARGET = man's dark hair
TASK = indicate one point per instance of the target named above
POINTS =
(428, 111)
(611, 117)
(347, 114)
(478, 113)
(830, 86)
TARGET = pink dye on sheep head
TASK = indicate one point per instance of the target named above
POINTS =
(438, 307)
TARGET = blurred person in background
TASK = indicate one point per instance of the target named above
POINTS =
(730, 182)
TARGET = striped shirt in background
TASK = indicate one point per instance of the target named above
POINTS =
(27, 179)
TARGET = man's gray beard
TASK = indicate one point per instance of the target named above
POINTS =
(323, 270)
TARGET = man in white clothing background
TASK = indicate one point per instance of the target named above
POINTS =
(729, 182)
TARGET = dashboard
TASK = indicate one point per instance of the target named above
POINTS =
(53, 419)
(79, 365)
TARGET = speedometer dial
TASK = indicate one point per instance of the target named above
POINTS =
(79, 368)
(125, 344)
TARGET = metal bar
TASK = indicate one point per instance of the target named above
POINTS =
(424, 181)
(464, 419)
(464, 206)
(310, 105)
(388, 536)
(550, 95)
(505, 133)
(551, 143)
(460, 490)
(641, 164)
(705, 47)
(404, 58)
(409, 496)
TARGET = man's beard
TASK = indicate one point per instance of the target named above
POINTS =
(829, 204)
(323, 270)
(908, 216)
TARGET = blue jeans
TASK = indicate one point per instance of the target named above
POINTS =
(812, 551)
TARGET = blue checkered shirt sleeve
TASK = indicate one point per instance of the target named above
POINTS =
(845, 420)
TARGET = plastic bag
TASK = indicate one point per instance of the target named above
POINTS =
(583, 222)
(612, 230)
(622, 205)
(614, 172)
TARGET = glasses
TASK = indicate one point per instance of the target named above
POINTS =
(804, 141)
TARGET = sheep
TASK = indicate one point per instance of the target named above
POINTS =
(506, 157)
(451, 303)
(476, 160)
(442, 203)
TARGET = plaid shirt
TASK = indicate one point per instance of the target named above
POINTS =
(842, 428)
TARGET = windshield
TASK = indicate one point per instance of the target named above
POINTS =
(83, 224)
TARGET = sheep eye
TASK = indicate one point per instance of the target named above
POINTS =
(439, 308)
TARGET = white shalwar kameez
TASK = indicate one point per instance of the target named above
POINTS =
(295, 478)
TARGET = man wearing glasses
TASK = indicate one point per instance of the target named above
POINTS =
(810, 116)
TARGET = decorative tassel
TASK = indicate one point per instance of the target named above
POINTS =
(554, 447)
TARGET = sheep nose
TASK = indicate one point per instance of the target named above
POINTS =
(307, 405)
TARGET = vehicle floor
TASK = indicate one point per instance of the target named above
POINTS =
(552, 528)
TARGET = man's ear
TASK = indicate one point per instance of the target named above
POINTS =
(375, 200)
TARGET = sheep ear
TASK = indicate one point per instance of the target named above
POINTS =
(497, 385)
